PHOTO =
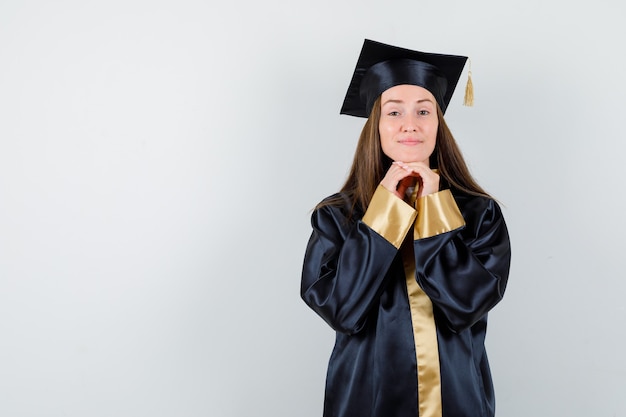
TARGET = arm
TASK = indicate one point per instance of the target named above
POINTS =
(462, 267)
(346, 262)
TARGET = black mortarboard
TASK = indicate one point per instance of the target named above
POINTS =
(382, 66)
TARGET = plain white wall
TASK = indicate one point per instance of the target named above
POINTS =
(158, 164)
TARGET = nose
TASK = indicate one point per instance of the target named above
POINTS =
(410, 125)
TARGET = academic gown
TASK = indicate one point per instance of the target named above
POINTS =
(407, 289)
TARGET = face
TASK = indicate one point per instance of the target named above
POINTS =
(408, 123)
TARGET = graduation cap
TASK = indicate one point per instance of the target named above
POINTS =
(382, 66)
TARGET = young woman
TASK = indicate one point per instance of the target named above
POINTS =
(405, 262)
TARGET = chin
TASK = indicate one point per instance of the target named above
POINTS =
(414, 158)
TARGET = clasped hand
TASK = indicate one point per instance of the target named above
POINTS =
(402, 175)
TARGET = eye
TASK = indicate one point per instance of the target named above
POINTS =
(423, 112)
(393, 113)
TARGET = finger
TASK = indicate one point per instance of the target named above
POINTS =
(417, 167)
(402, 165)
(423, 171)
(392, 179)
(399, 172)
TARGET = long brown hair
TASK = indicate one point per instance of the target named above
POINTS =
(370, 164)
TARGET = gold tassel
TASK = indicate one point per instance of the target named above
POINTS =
(469, 88)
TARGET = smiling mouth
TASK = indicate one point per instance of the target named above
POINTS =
(410, 141)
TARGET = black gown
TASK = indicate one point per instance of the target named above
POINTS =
(407, 291)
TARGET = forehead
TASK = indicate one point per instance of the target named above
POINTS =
(407, 92)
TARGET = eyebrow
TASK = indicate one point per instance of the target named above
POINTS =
(402, 101)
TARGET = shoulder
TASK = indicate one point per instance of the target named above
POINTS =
(471, 202)
(478, 211)
(335, 209)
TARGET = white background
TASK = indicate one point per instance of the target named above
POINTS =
(158, 164)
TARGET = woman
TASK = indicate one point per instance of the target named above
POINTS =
(405, 262)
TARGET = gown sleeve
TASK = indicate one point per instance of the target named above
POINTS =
(346, 261)
(463, 268)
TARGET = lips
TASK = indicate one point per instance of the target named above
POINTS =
(410, 141)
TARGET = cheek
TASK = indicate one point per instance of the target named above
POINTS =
(384, 127)
(384, 144)
(384, 132)
(432, 134)
(433, 130)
